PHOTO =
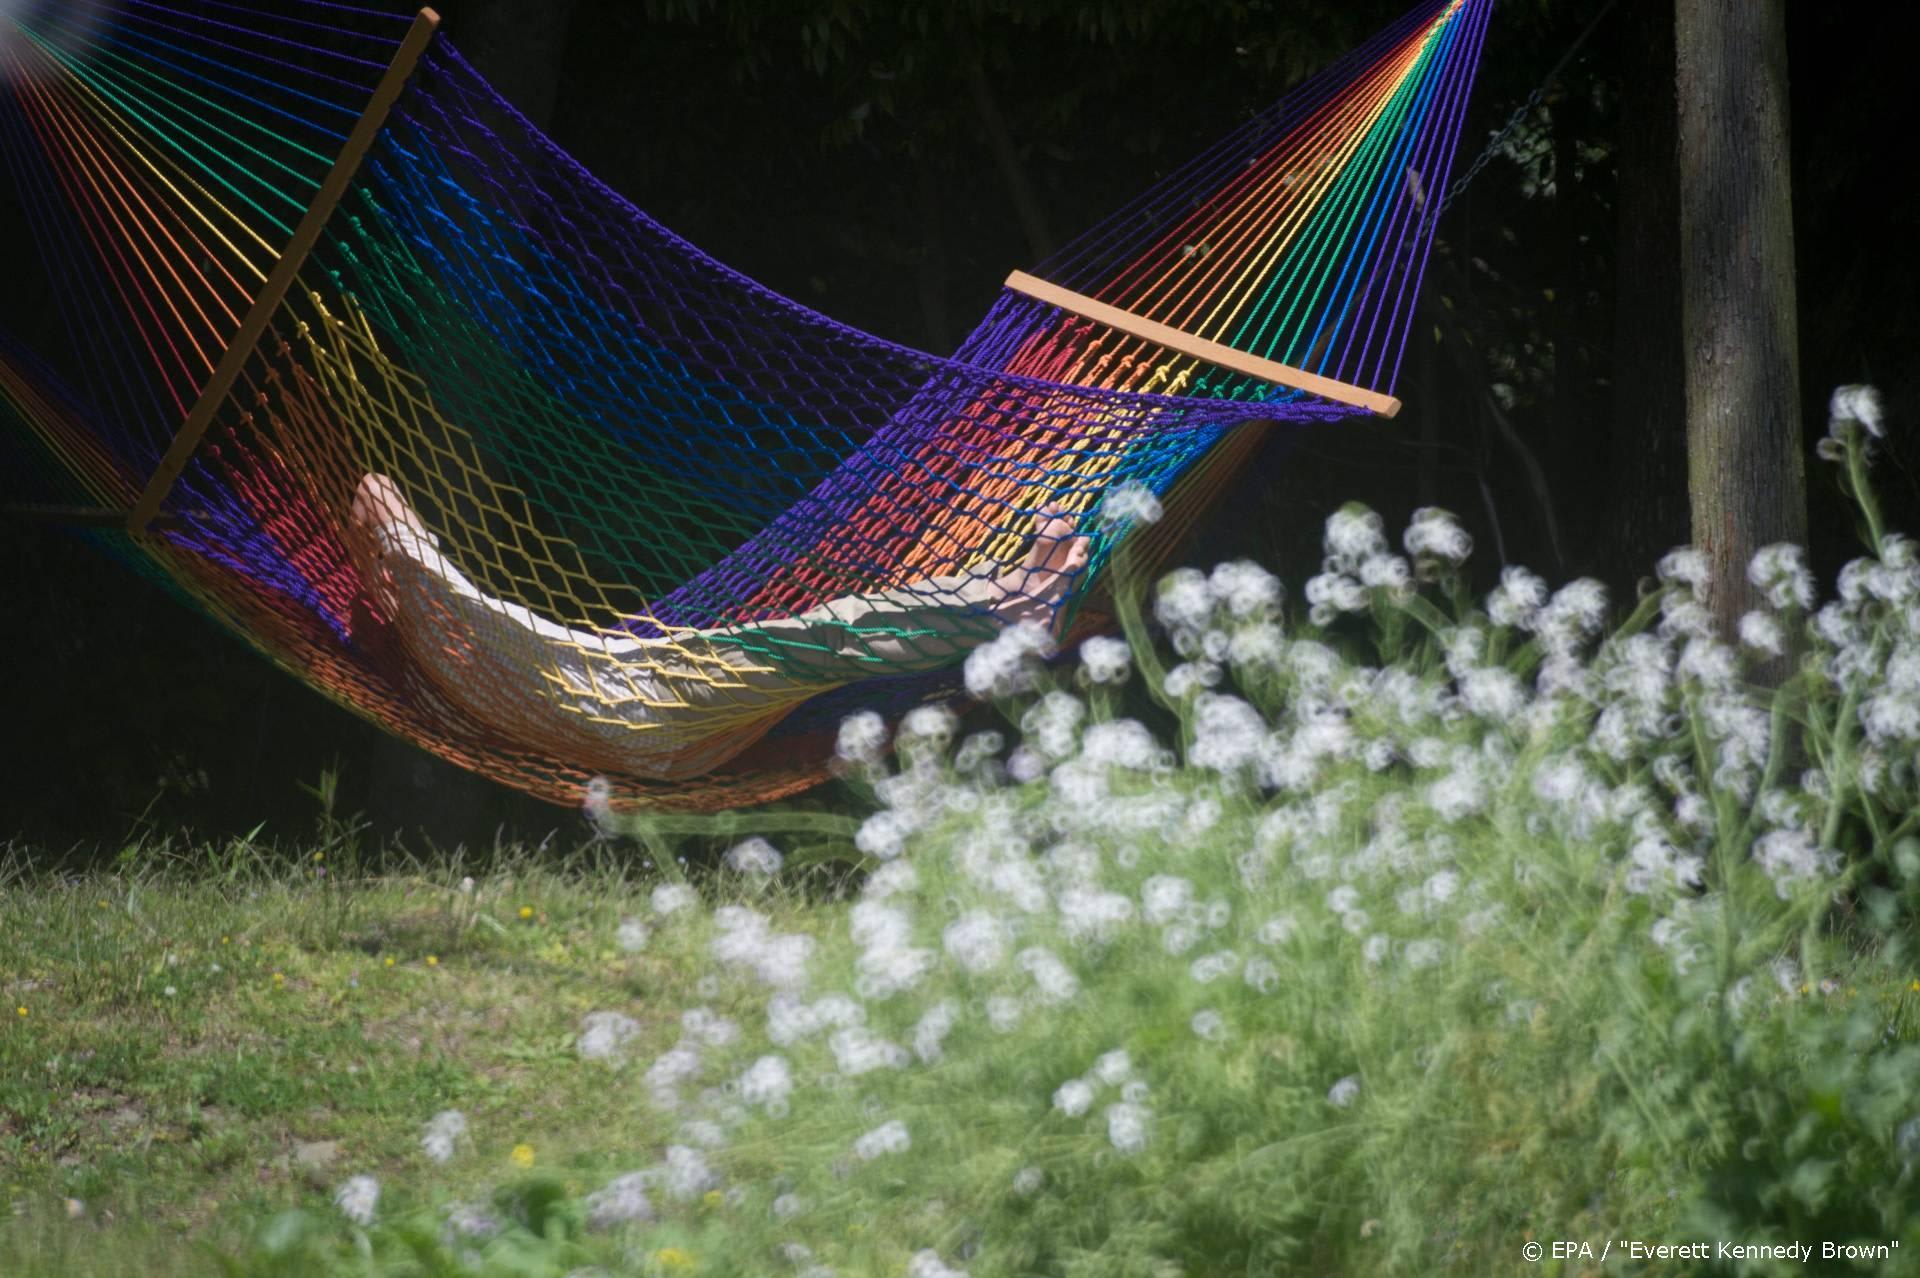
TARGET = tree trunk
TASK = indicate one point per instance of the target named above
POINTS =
(1745, 475)
(1647, 513)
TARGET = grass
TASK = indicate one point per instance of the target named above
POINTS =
(173, 1038)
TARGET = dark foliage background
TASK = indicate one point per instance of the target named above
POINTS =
(888, 163)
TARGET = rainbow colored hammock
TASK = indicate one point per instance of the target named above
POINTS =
(296, 249)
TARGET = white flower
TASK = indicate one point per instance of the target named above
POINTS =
(1760, 632)
(632, 935)
(1004, 1013)
(1791, 857)
(357, 1199)
(1245, 588)
(1105, 659)
(1027, 1181)
(888, 1138)
(756, 858)
(1425, 953)
(1184, 602)
(1493, 693)
(1004, 666)
(862, 737)
(1781, 571)
(1165, 897)
(1051, 725)
(1684, 565)
(884, 834)
(1856, 404)
(1261, 974)
(932, 725)
(671, 898)
(604, 1035)
(687, 1175)
(1209, 1024)
(1276, 930)
(598, 803)
(1089, 915)
(443, 1130)
(1211, 967)
(927, 1264)
(857, 1051)
(931, 1030)
(1120, 743)
(1458, 794)
(1056, 981)
(977, 940)
(1332, 593)
(1129, 1126)
(1344, 1092)
(768, 1082)
(1130, 500)
(1227, 733)
(1434, 533)
(787, 1206)
(709, 1028)
(1073, 1097)
(1353, 535)
(1113, 1068)
(622, 1200)
(1518, 599)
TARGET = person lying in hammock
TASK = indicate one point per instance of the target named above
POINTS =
(678, 705)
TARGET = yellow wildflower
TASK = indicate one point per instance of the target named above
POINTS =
(712, 1198)
(433, 960)
(522, 1156)
(389, 960)
(673, 1258)
(526, 912)
(279, 978)
(21, 1010)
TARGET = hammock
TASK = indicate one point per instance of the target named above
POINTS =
(670, 525)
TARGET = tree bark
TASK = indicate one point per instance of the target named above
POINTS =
(1745, 475)
(1647, 513)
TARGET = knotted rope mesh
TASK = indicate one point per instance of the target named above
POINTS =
(642, 517)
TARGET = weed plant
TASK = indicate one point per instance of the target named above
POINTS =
(1431, 926)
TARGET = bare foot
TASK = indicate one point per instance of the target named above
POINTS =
(1057, 556)
(377, 504)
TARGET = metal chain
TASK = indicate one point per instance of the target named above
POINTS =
(1525, 109)
(1486, 156)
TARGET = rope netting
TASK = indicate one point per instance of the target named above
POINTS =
(525, 477)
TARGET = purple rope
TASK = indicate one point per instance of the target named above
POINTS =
(1478, 34)
(262, 35)
(1413, 223)
(1381, 251)
(1225, 155)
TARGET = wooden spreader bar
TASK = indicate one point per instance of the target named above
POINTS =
(285, 268)
(1200, 348)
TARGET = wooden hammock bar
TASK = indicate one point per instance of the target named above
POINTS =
(1200, 348)
(288, 265)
